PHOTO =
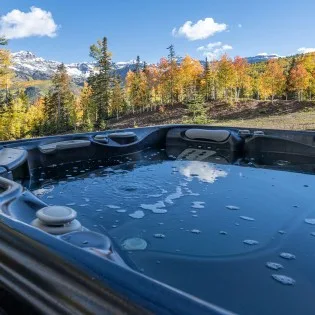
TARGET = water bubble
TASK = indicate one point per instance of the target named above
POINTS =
(112, 206)
(155, 208)
(282, 163)
(121, 210)
(250, 242)
(138, 214)
(159, 235)
(273, 265)
(283, 279)
(198, 204)
(232, 207)
(310, 221)
(155, 195)
(195, 231)
(247, 218)
(169, 199)
(287, 256)
(135, 243)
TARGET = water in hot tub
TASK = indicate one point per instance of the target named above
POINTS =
(192, 223)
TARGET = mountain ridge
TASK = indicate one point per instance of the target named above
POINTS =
(28, 66)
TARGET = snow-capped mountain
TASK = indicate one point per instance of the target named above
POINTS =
(28, 66)
(262, 57)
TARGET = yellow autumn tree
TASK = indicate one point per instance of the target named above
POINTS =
(226, 75)
(273, 79)
(190, 74)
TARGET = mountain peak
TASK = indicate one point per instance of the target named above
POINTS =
(24, 54)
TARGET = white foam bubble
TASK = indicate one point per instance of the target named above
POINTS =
(287, 256)
(230, 207)
(198, 204)
(283, 279)
(310, 221)
(134, 243)
(138, 214)
(247, 218)
(121, 210)
(273, 265)
(159, 235)
(112, 206)
(169, 199)
(155, 207)
(250, 242)
(195, 231)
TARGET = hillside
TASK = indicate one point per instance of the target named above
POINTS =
(251, 114)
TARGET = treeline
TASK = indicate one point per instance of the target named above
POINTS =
(171, 81)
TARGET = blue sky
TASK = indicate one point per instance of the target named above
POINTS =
(64, 30)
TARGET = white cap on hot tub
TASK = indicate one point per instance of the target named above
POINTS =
(56, 215)
(57, 220)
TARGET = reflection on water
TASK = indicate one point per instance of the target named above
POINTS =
(205, 172)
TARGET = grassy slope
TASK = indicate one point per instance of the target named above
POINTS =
(279, 115)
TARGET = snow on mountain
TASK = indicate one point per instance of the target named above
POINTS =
(262, 57)
(28, 66)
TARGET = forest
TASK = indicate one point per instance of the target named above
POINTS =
(147, 88)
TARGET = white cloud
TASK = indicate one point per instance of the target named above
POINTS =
(304, 50)
(213, 50)
(201, 30)
(239, 25)
(36, 22)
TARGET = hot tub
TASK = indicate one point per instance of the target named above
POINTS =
(169, 220)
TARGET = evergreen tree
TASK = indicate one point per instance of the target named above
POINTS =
(3, 41)
(59, 103)
(117, 100)
(197, 110)
(138, 65)
(172, 65)
(101, 82)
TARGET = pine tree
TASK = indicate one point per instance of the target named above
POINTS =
(172, 66)
(197, 110)
(101, 82)
(3, 41)
(117, 100)
(59, 103)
